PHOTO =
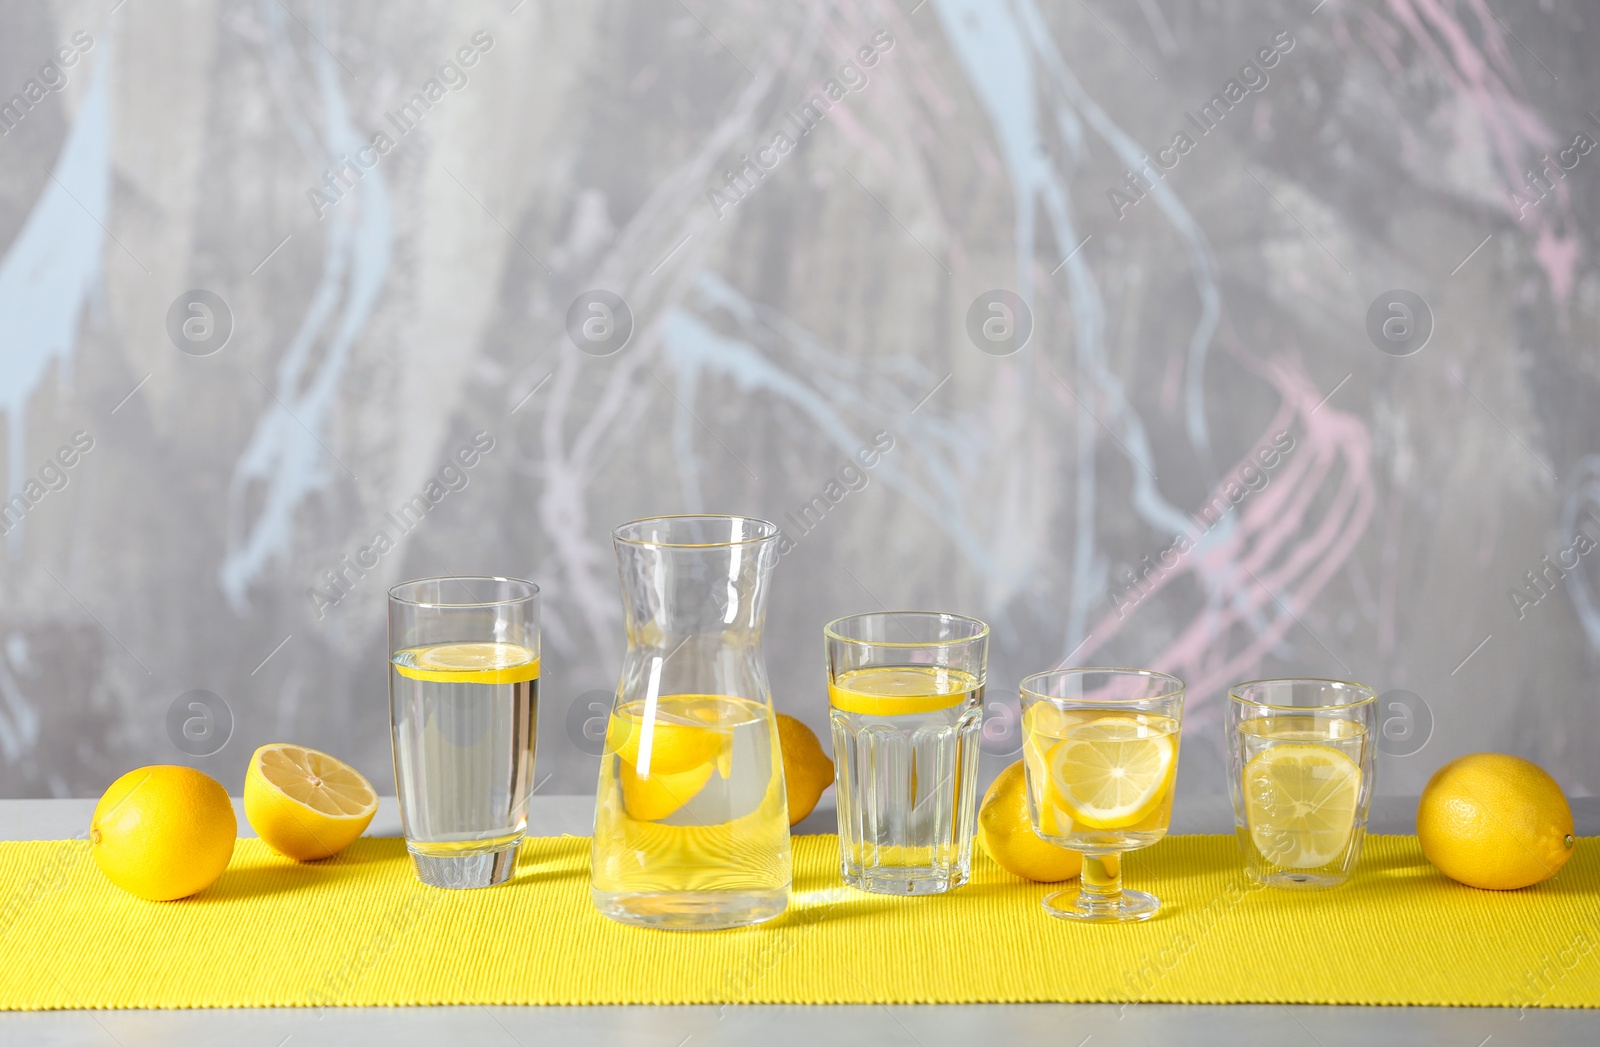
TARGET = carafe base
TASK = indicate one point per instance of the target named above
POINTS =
(692, 910)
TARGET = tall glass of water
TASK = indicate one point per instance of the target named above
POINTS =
(905, 690)
(463, 705)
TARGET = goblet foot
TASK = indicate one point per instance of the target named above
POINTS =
(1123, 907)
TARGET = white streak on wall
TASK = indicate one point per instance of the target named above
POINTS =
(51, 268)
(284, 453)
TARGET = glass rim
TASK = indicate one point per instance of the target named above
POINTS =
(831, 631)
(770, 531)
(1177, 686)
(1371, 695)
(532, 593)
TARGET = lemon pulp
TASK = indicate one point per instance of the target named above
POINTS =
(305, 804)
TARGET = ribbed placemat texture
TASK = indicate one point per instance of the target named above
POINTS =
(359, 929)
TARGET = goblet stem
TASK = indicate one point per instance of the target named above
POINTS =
(1101, 882)
(1099, 896)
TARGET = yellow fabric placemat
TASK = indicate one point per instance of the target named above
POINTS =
(359, 929)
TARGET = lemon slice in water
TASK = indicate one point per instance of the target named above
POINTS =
(686, 731)
(1300, 803)
(468, 663)
(1112, 772)
(900, 690)
(661, 795)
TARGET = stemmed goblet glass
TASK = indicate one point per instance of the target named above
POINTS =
(1100, 753)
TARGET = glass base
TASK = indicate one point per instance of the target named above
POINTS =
(1299, 880)
(1126, 907)
(903, 880)
(466, 870)
(692, 910)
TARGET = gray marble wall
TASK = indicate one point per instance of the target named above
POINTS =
(1228, 339)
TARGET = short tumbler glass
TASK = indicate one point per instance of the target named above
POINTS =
(463, 704)
(905, 690)
(1300, 758)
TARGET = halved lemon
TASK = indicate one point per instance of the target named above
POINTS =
(687, 730)
(468, 663)
(1300, 803)
(661, 795)
(1112, 772)
(305, 804)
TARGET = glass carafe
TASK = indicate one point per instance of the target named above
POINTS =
(691, 826)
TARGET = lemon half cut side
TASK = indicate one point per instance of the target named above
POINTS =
(305, 804)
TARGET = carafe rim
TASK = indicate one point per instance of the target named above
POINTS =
(767, 531)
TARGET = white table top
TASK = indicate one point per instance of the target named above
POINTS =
(1072, 1025)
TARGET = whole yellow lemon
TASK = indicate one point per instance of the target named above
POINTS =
(163, 832)
(1494, 821)
(1008, 836)
(807, 770)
